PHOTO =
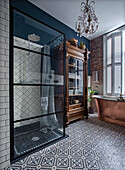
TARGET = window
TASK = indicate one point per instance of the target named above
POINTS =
(113, 59)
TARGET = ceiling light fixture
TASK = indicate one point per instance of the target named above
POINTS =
(88, 22)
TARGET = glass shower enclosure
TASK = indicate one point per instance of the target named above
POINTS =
(36, 84)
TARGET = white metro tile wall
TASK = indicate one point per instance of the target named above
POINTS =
(4, 85)
(27, 67)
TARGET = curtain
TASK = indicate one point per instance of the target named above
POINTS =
(48, 122)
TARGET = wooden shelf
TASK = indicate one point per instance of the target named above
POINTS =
(74, 48)
(74, 78)
(76, 95)
(75, 109)
(73, 87)
(70, 65)
(75, 105)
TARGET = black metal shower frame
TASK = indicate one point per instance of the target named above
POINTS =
(11, 86)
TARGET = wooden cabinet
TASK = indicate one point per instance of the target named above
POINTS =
(76, 83)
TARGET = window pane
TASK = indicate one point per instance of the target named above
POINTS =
(109, 51)
(117, 50)
(109, 79)
(117, 80)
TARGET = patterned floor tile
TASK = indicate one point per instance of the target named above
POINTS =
(75, 143)
(73, 137)
(30, 168)
(64, 143)
(76, 152)
(77, 163)
(88, 152)
(92, 145)
(106, 164)
(51, 151)
(62, 162)
(44, 168)
(100, 153)
(34, 160)
(92, 164)
(47, 161)
(62, 169)
(120, 164)
(63, 152)
(86, 144)
(14, 167)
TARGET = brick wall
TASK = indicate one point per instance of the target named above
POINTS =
(96, 64)
(4, 85)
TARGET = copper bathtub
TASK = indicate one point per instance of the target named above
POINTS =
(110, 110)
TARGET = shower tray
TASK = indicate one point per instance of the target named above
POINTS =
(27, 141)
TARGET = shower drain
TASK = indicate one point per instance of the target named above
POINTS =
(35, 138)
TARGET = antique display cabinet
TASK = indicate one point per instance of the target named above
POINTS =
(76, 83)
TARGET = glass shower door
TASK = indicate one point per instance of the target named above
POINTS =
(37, 108)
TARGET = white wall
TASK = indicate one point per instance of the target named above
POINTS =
(4, 85)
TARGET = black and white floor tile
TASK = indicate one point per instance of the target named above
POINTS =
(91, 145)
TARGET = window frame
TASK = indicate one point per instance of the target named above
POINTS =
(112, 64)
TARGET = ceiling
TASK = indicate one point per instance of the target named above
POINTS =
(111, 13)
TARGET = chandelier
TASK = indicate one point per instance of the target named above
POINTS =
(88, 22)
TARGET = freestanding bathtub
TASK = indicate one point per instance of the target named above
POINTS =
(110, 109)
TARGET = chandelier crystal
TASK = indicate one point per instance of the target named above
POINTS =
(88, 22)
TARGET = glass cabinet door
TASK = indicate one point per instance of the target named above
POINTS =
(75, 82)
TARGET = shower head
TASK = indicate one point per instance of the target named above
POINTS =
(34, 37)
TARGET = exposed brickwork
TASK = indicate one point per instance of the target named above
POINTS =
(96, 60)
(4, 85)
(96, 63)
